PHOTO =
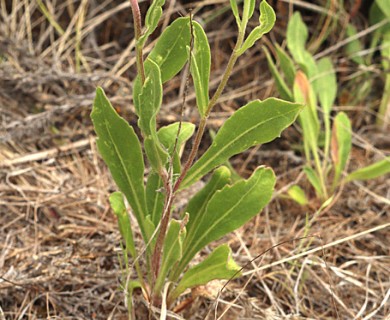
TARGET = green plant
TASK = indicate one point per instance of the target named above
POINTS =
(379, 15)
(313, 83)
(221, 206)
(380, 12)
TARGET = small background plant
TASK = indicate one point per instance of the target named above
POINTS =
(326, 146)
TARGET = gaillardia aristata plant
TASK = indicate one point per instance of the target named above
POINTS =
(162, 266)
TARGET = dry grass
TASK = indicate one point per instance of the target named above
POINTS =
(59, 243)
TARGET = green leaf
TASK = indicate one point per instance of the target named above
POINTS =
(378, 13)
(373, 171)
(119, 208)
(309, 65)
(284, 91)
(256, 123)
(148, 98)
(151, 20)
(304, 93)
(286, 64)
(385, 52)
(147, 101)
(326, 85)
(233, 5)
(121, 150)
(297, 35)
(172, 251)
(218, 265)
(298, 195)
(154, 197)
(249, 7)
(197, 205)
(170, 51)
(384, 5)
(228, 209)
(341, 143)
(234, 175)
(156, 155)
(150, 228)
(200, 67)
(313, 179)
(353, 48)
(167, 136)
(267, 21)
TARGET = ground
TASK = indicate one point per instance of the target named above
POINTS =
(59, 241)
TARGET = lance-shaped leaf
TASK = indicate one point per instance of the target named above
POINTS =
(341, 144)
(151, 20)
(326, 85)
(119, 208)
(172, 251)
(150, 229)
(304, 93)
(249, 9)
(154, 197)
(353, 48)
(148, 98)
(218, 265)
(121, 150)
(297, 35)
(200, 67)
(286, 64)
(378, 14)
(256, 123)
(384, 5)
(197, 205)
(233, 5)
(267, 21)
(167, 135)
(313, 179)
(298, 195)
(228, 209)
(170, 51)
(147, 102)
(373, 171)
(284, 91)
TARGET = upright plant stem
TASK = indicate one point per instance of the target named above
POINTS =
(138, 33)
(212, 103)
(198, 138)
